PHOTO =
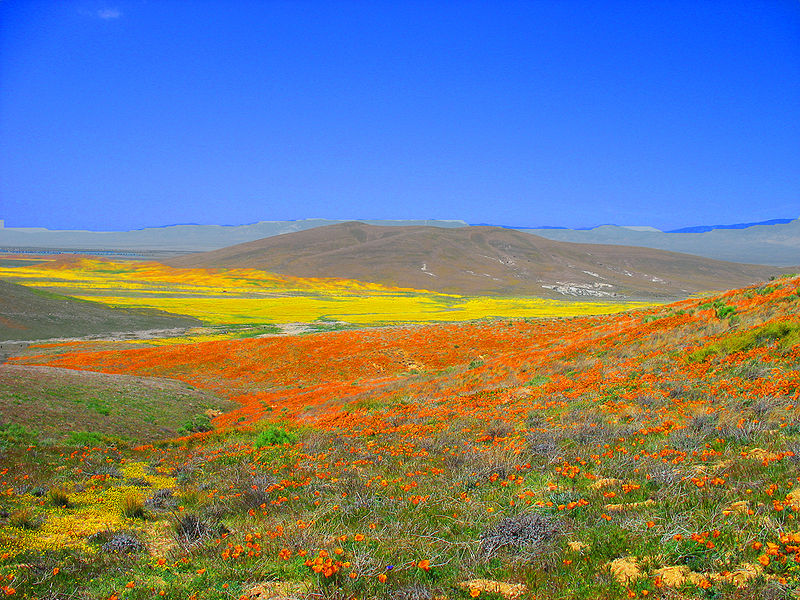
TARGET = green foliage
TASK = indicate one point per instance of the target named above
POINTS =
(197, 424)
(377, 403)
(99, 406)
(767, 289)
(14, 434)
(274, 435)
(85, 438)
(722, 310)
(787, 333)
(725, 311)
(255, 331)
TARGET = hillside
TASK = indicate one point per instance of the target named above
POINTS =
(30, 314)
(481, 260)
(64, 405)
(649, 454)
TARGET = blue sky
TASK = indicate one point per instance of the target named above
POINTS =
(131, 114)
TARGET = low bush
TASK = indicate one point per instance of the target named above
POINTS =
(198, 424)
(274, 436)
(24, 518)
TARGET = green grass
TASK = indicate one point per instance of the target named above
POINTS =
(785, 333)
(60, 404)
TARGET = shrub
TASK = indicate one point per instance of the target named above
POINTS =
(192, 529)
(116, 542)
(274, 436)
(160, 498)
(725, 311)
(526, 532)
(198, 424)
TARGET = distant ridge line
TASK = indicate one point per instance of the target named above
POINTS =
(706, 228)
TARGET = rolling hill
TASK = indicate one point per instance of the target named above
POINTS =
(481, 260)
(29, 314)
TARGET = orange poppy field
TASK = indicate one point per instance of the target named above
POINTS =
(651, 453)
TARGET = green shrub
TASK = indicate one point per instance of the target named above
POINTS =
(724, 311)
(198, 424)
(274, 436)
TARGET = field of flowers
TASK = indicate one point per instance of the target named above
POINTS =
(247, 296)
(646, 454)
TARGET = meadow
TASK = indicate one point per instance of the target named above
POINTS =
(251, 297)
(650, 453)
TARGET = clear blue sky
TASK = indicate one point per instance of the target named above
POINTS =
(137, 113)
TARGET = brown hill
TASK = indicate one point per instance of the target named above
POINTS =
(481, 260)
(30, 314)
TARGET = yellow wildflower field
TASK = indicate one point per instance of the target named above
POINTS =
(249, 296)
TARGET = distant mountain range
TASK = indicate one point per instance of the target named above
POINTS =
(481, 260)
(773, 242)
(175, 238)
(704, 228)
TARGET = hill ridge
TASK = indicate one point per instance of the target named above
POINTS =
(480, 260)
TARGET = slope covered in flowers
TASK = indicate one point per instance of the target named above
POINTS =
(644, 454)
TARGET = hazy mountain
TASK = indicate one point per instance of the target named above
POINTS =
(704, 228)
(185, 238)
(775, 243)
(481, 260)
